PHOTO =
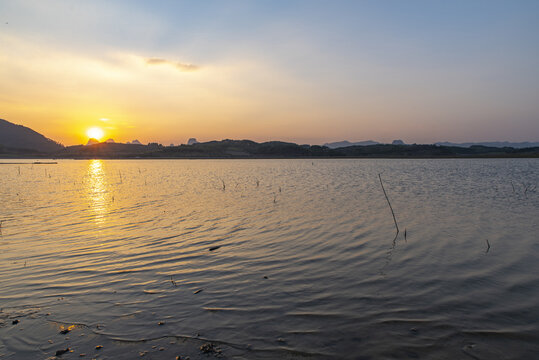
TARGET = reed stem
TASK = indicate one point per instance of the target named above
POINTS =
(389, 203)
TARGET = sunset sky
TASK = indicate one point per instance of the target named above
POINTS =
(303, 71)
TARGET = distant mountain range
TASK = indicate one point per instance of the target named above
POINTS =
(21, 137)
(234, 149)
(497, 144)
(17, 141)
(345, 143)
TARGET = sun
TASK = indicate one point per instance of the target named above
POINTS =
(95, 133)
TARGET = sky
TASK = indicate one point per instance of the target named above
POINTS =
(306, 71)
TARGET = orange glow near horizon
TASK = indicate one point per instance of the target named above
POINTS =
(95, 133)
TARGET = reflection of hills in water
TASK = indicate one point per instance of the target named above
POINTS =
(304, 260)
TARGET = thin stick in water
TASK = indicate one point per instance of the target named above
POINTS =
(389, 203)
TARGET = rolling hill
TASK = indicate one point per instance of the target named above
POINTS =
(20, 137)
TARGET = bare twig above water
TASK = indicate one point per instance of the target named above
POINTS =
(389, 203)
(488, 246)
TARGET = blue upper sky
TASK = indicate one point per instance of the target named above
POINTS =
(306, 71)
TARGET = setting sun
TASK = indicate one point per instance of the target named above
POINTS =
(95, 133)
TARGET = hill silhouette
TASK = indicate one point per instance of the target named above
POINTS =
(18, 141)
(20, 137)
(346, 143)
(278, 149)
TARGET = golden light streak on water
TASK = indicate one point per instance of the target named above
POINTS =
(98, 198)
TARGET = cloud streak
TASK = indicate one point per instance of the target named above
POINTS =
(178, 65)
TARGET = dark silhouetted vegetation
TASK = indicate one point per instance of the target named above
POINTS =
(20, 142)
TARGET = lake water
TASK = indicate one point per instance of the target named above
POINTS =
(308, 265)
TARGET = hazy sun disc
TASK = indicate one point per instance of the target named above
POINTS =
(95, 133)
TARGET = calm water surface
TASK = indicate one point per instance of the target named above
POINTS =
(307, 266)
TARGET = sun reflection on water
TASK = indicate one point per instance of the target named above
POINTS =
(97, 190)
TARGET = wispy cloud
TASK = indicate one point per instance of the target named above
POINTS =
(156, 61)
(178, 65)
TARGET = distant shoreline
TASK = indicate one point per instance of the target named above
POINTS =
(54, 159)
(247, 149)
